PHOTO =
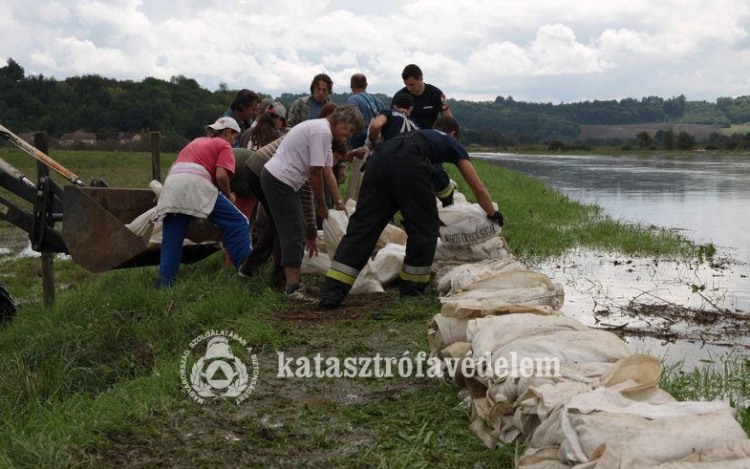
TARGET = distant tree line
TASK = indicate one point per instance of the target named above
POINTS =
(179, 108)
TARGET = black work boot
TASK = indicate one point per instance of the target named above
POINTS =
(407, 288)
(333, 293)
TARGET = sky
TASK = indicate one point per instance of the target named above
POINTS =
(547, 51)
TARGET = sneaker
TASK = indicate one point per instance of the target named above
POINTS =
(300, 295)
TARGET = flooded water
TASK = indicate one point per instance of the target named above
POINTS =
(705, 195)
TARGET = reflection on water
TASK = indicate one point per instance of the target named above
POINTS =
(706, 195)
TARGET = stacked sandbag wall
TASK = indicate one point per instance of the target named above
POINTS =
(576, 397)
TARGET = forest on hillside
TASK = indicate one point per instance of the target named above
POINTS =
(179, 109)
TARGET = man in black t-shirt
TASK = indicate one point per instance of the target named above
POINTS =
(429, 101)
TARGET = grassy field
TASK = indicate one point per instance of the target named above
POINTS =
(93, 381)
(737, 129)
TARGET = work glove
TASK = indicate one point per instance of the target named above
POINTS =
(496, 217)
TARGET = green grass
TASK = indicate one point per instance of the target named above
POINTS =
(724, 378)
(119, 169)
(737, 129)
(93, 381)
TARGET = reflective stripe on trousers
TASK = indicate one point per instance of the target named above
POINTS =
(343, 273)
(416, 274)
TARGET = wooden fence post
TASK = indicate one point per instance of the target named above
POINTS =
(155, 156)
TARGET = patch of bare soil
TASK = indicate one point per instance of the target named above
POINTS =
(355, 307)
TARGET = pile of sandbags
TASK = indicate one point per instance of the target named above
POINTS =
(381, 269)
(577, 397)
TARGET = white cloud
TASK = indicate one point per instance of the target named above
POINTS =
(498, 60)
(84, 57)
(547, 50)
(555, 51)
(53, 12)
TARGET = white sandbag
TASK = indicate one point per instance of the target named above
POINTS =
(513, 279)
(516, 286)
(456, 350)
(157, 187)
(391, 234)
(443, 331)
(143, 225)
(315, 265)
(156, 234)
(551, 431)
(564, 346)
(633, 373)
(495, 332)
(466, 225)
(351, 206)
(460, 275)
(480, 307)
(493, 248)
(541, 458)
(530, 295)
(734, 455)
(542, 400)
(456, 278)
(367, 282)
(637, 372)
(386, 265)
(334, 228)
(660, 433)
(459, 198)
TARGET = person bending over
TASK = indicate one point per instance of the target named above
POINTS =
(305, 153)
(197, 185)
(401, 177)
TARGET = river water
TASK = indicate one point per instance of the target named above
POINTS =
(706, 196)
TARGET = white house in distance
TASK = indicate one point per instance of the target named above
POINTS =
(127, 138)
(79, 136)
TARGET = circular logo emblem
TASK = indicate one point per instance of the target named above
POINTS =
(219, 365)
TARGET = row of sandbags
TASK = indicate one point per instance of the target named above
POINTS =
(576, 397)
(462, 238)
(381, 269)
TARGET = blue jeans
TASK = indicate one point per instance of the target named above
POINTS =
(235, 238)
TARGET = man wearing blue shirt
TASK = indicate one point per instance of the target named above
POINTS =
(369, 105)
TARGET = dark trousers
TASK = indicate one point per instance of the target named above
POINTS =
(285, 209)
(267, 244)
(398, 181)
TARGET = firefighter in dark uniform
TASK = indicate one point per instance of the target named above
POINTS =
(403, 176)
